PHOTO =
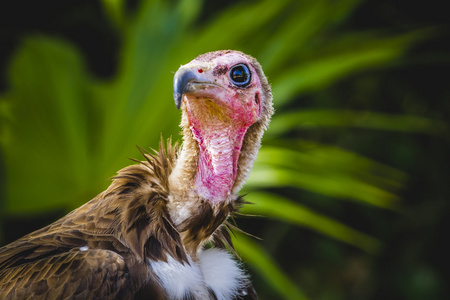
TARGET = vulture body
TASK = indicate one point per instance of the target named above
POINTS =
(145, 236)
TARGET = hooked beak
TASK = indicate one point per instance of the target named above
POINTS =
(181, 81)
(190, 80)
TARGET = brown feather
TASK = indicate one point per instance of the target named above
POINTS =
(129, 219)
(74, 275)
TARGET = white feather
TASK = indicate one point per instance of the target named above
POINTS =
(216, 270)
(221, 273)
(180, 279)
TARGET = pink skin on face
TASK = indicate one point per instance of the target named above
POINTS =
(219, 115)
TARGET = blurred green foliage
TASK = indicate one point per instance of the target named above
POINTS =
(64, 130)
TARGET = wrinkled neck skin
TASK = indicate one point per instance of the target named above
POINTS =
(219, 137)
(207, 166)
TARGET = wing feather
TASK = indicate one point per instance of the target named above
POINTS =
(91, 274)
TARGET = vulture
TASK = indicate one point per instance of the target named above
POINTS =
(160, 230)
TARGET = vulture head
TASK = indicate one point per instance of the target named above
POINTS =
(226, 105)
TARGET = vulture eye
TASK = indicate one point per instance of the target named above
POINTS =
(240, 75)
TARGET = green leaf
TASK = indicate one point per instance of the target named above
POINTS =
(261, 262)
(326, 159)
(134, 102)
(328, 171)
(50, 107)
(115, 10)
(236, 24)
(304, 21)
(279, 208)
(313, 119)
(323, 69)
(5, 119)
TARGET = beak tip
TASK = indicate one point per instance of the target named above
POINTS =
(177, 98)
(182, 77)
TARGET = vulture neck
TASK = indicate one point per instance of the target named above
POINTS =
(184, 198)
